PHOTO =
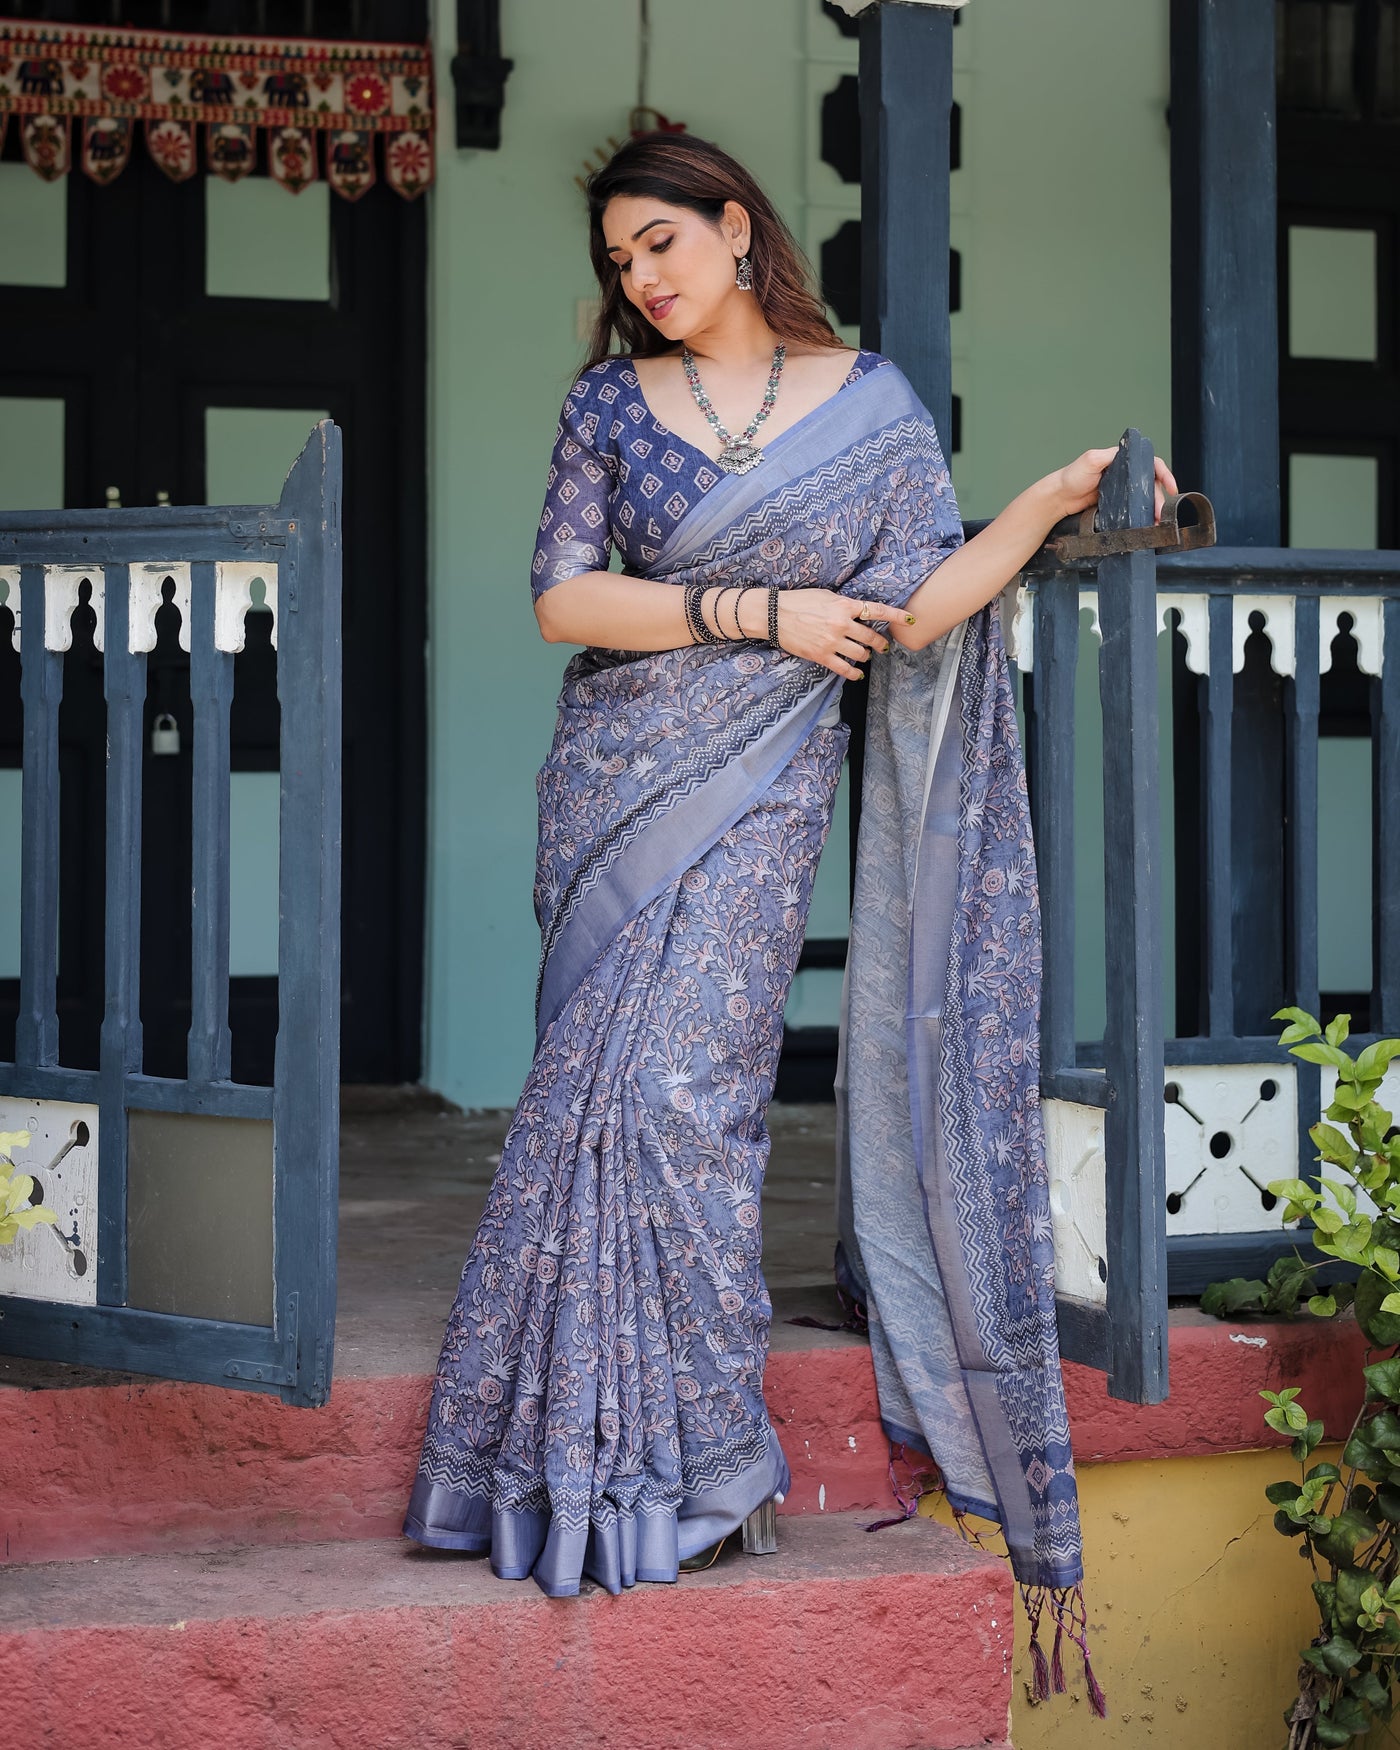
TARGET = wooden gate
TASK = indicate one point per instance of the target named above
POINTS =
(196, 1217)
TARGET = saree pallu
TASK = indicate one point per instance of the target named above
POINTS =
(598, 1405)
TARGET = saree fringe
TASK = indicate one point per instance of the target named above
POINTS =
(1066, 1607)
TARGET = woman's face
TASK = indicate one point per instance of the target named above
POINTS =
(674, 264)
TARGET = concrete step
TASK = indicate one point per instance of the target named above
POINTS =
(896, 1640)
(95, 1465)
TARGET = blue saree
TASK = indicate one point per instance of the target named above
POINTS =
(598, 1406)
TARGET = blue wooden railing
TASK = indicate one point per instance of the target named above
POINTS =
(1168, 1189)
(211, 554)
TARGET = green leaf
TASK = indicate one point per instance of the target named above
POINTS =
(1344, 1195)
(1325, 1592)
(1376, 1058)
(1339, 1655)
(1323, 1054)
(1383, 1379)
(1321, 1306)
(1324, 1473)
(1388, 1500)
(1367, 1687)
(1327, 1221)
(1351, 1583)
(1298, 1015)
(1381, 1327)
(1383, 1430)
(1337, 1029)
(1328, 1735)
(1349, 1713)
(1311, 1437)
(1289, 1526)
(1386, 1260)
(1237, 1295)
(1333, 1146)
(1348, 1530)
(1294, 1191)
(1391, 1304)
(1281, 1494)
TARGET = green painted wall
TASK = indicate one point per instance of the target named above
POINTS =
(1061, 342)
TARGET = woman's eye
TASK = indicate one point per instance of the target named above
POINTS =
(661, 248)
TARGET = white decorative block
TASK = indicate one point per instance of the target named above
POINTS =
(1194, 627)
(61, 584)
(1074, 1152)
(233, 597)
(1230, 1130)
(48, 1262)
(9, 576)
(147, 584)
(1277, 614)
(1367, 628)
(1018, 624)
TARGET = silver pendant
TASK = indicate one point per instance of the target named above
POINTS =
(739, 455)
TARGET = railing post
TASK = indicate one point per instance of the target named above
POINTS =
(124, 684)
(41, 689)
(1134, 1137)
(306, 1114)
(906, 104)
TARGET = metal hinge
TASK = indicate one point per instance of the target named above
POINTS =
(1170, 535)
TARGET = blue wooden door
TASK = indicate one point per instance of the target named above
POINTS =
(195, 1216)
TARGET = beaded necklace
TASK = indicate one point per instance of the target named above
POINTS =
(739, 453)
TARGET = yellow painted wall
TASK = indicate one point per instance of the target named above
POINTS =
(1197, 1610)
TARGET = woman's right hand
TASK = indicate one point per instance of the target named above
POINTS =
(833, 630)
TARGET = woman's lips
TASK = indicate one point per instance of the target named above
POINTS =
(660, 308)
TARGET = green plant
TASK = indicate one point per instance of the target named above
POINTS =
(16, 1210)
(1347, 1515)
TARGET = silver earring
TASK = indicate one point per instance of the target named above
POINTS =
(744, 278)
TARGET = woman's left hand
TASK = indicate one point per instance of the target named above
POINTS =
(1078, 481)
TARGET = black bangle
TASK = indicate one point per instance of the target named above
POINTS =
(773, 619)
(741, 590)
(700, 633)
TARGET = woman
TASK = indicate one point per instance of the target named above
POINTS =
(784, 513)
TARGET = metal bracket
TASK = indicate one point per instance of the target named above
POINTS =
(267, 531)
(271, 1372)
(1170, 535)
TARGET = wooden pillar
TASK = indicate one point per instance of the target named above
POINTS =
(1224, 276)
(906, 101)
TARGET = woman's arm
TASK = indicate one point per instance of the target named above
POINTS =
(613, 612)
(969, 577)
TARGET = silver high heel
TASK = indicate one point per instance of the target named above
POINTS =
(761, 1529)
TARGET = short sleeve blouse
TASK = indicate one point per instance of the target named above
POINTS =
(619, 478)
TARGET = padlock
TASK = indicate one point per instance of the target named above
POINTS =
(165, 734)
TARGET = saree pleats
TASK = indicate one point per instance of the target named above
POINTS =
(598, 1408)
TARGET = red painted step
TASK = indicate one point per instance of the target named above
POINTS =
(131, 1464)
(897, 1640)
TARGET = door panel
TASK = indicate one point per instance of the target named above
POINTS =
(200, 331)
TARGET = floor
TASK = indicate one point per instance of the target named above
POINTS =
(412, 1184)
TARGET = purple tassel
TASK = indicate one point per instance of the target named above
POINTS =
(1034, 1602)
(1057, 1664)
(1096, 1695)
(1040, 1683)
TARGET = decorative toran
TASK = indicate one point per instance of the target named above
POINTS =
(228, 88)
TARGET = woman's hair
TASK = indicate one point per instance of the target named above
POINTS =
(688, 172)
